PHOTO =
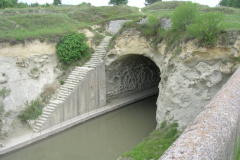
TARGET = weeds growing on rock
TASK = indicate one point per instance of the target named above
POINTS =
(33, 109)
(156, 144)
(4, 92)
(97, 38)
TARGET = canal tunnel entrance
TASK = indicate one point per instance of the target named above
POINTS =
(131, 74)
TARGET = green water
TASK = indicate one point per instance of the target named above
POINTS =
(102, 138)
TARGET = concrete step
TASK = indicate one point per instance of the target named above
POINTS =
(43, 119)
(75, 82)
(65, 89)
(36, 129)
(50, 107)
(69, 84)
(63, 99)
(52, 104)
(44, 116)
(47, 113)
(64, 92)
(47, 109)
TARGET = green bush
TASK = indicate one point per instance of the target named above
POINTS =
(184, 15)
(151, 27)
(4, 92)
(72, 47)
(207, 27)
(32, 110)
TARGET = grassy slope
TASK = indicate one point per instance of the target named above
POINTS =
(165, 9)
(50, 23)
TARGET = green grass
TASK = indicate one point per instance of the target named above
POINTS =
(156, 144)
(165, 9)
(51, 23)
(32, 110)
(236, 153)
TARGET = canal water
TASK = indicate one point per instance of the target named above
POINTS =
(103, 138)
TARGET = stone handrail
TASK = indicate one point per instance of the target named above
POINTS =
(214, 132)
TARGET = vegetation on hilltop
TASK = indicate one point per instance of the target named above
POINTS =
(230, 3)
(20, 24)
(118, 2)
(190, 20)
(149, 2)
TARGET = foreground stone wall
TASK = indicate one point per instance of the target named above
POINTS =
(213, 134)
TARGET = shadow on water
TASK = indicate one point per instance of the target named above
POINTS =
(103, 138)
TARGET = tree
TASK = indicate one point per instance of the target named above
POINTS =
(8, 3)
(184, 15)
(230, 3)
(148, 2)
(224, 2)
(236, 3)
(117, 2)
(57, 2)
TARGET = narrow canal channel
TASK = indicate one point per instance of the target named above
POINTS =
(102, 138)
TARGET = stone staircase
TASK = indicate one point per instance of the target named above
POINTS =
(71, 82)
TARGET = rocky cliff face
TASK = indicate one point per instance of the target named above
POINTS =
(190, 76)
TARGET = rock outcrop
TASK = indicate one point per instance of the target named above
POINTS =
(189, 79)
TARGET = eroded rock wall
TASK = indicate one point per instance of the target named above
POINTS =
(189, 79)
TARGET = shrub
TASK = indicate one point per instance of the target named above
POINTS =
(97, 38)
(32, 110)
(4, 92)
(207, 27)
(151, 27)
(184, 15)
(48, 91)
(72, 47)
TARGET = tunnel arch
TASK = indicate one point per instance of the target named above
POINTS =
(131, 74)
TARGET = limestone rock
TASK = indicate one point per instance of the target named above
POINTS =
(189, 80)
(226, 68)
(22, 62)
(2, 145)
(3, 79)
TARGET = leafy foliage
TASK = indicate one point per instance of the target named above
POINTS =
(151, 27)
(148, 2)
(184, 15)
(57, 2)
(72, 47)
(156, 144)
(230, 3)
(207, 27)
(8, 3)
(117, 2)
(4, 92)
(32, 110)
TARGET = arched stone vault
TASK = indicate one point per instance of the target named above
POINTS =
(130, 74)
